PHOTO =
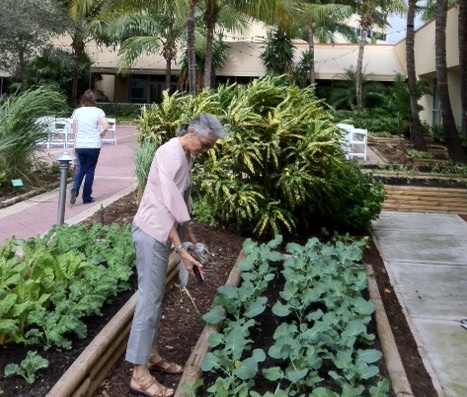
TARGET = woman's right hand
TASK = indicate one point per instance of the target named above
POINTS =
(189, 261)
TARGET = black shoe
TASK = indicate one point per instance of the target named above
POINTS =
(464, 323)
(72, 196)
(91, 200)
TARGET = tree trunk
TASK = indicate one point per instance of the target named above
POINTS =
(462, 34)
(170, 53)
(191, 48)
(311, 48)
(416, 133)
(22, 72)
(455, 151)
(208, 53)
(359, 70)
(77, 49)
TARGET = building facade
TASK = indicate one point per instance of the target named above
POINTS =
(144, 82)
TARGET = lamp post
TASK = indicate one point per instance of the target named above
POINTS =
(64, 159)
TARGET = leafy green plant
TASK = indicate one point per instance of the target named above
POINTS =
(417, 154)
(49, 283)
(321, 334)
(28, 368)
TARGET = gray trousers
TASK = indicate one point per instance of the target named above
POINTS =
(152, 259)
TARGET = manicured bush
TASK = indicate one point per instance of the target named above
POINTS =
(280, 170)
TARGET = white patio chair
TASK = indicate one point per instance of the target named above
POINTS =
(112, 132)
(346, 131)
(358, 143)
(61, 132)
(47, 122)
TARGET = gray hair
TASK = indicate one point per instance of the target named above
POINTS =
(205, 124)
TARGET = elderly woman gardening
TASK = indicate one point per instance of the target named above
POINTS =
(162, 222)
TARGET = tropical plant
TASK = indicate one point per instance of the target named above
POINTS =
(56, 66)
(281, 169)
(19, 130)
(26, 27)
(320, 21)
(278, 54)
(229, 14)
(343, 94)
(370, 12)
(143, 159)
(148, 31)
(219, 57)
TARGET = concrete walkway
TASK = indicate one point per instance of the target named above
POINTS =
(114, 178)
(426, 257)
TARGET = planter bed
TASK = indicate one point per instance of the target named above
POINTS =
(262, 334)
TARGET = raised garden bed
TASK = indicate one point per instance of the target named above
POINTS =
(264, 321)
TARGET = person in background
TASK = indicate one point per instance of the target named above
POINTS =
(162, 224)
(88, 128)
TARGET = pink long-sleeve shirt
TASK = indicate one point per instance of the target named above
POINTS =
(166, 198)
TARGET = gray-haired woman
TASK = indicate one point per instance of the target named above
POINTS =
(162, 224)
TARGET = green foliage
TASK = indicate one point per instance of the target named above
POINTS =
(55, 66)
(48, 284)
(321, 340)
(144, 154)
(343, 94)
(391, 116)
(277, 56)
(19, 131)
(158, 122)
(121, 111)
(417, 154)
(280, 170)
(28, 367)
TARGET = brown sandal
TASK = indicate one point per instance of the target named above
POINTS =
(165, 366)
(143, 390)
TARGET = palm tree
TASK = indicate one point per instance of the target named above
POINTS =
(148, 32)
(321, 21)
(462, 37)
(214, 11)
(141, 25)
(416, 132)
(219, 57)
(371, 12)
(278, 55)
(190, 42)
(343, 92)
(455, 150)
